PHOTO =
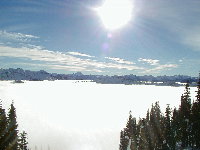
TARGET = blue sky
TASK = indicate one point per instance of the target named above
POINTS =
(66, 36)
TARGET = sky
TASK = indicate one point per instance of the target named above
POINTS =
(67, 36)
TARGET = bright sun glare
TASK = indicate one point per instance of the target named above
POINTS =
(115, 13)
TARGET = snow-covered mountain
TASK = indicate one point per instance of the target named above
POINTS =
(20, 74)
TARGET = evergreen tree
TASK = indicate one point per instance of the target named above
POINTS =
(194, 123)
(124, 141)
(185, 116)
(23, 144)
(198, 90)
(156, 123)
(148, 131)
(143, 135)
(131, 131)
(168, 129)
(12, 137)
(3, 128)
(129, 126)
(148, 116)
(8, 131)
(196, 117)
(175, 128)
(127, 134)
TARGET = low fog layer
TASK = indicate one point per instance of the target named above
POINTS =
(71, 115)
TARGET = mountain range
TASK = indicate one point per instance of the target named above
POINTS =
(20, 74)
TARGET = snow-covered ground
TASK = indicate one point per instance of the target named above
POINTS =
(71, 115)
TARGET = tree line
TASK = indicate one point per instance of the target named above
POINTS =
(10, 138)
(176, 128)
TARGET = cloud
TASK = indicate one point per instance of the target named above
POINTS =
(58, 60)
(16, 36)
(157, 67)
(64, 61)
(79, 54)
(149, 61)
(31, 46)
(160, 68)
(180, 60)
(119, 60)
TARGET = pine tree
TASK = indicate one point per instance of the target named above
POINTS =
(129, 125)
(148, 131)
(23, 144)
(156, 122)
(168, 129)
(8, 130)
(3, 128)
(185, 116)
(152, 127)
(194, 123)
(124, 141)
(196, 117)
(198, 90)
(12, 137)
(131, 131)
(144, 142)
(148, 116)
(175, 128)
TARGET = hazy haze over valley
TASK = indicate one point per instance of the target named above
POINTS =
(77, 115)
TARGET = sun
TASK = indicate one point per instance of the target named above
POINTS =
(115, 14)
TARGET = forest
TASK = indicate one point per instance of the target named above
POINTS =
(10, 138)
(175, 129)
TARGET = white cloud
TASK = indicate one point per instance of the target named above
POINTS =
(32, 46)
(17, 36)
(160, 68)
(65, 61)
(149, 61)
(180, 60)
(79, 54)
(58, 60)
(156, 66)
(119, 60)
